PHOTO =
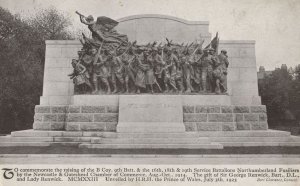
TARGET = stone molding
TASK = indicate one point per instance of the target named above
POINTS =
(159, 16)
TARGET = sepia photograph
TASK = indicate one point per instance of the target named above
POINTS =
(200, 92)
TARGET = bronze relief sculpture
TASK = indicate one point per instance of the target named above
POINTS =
(110, 64)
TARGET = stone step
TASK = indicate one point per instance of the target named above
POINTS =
(100, 134)
(150, 140)
(72, 139)
(258, 133)
(244, 133)
(295, 138)
(151, 129)
(45, 139)
(260, 144)
(152, 146)
(35, 133)
(25, 139)
(159, 135)
(254, 139)
(24, 144)
(38, 144)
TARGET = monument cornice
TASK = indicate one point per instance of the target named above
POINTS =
(237, 41)
(160, 16)
(63, 42)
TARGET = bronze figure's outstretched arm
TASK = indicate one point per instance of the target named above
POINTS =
(83, 19)
(79, 13)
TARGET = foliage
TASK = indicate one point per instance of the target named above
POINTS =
(51, 24)
(22, 44)
(280, 91)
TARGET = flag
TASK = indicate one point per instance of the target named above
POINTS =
(214, 43)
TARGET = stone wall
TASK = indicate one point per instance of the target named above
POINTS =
(224, 118)
(76, 118)
(195, 118)
(150, 27)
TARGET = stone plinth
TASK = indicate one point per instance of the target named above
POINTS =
(150, 113)
(96, 100)
(76, 118)
(156, 112)
(224, 117)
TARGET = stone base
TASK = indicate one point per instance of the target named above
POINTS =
(170, 113)
(95, 100)
(152, 146)
(150, 127)
(151, 121)
(186, 140)
(150, 113)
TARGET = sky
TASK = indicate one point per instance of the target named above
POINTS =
(273, 24)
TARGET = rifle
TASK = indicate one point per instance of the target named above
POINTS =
(190, 44)
(162, 53)
(168, 42)
(100, 48)
(98, 53)
(127, 48)
(198, 47)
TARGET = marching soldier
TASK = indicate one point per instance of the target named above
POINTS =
(117, 71)
(220, 72)
(207, 62)
(101, 71)
(170, 70)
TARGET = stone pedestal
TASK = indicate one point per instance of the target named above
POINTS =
(150, 113)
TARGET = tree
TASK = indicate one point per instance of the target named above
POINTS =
(295, 93)
(296, 72)
(51, 24)
(280, 91)
(22, 51)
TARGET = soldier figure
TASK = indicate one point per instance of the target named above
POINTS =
(170, 70)
(140, 78)
(117, 71)
(195, 63)
(207, 62)
(187, 72)
(86, 57)
(149, 73)
(101, 71)
(157, 65)
(179, 76)
(220, 72)
(80, 76)
(129, 71)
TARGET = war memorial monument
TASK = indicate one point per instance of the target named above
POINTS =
(150, 82)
